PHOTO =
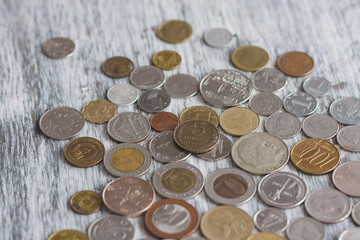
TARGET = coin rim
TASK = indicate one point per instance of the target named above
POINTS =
(246, 68)
(294, 75)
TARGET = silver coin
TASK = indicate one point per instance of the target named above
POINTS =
(265, 103)
(147, 77)
(58, 47)
(163, 148)
(317, 86)
(111, 227)
(217, 37)
(320, 126)
(282, 124)
(127, 159)
(122, 94)
(282, 190)
(304, 229)
(225, 88)
(268, 80)
(154, 100)
(328, 205)
(346, 178)
(230, 186)
(220, 151)
(356, 213)
(350, 234)
(346, 110)
(178, 180)
(61, 122)
(129, 127)
(300, 103)
(270, 220)
(181, 85)
(349, 138)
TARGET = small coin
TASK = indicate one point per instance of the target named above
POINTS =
(117, 67)
(268, 80)
(217, 37)
(61, 122)
(356, 213)
(346, 178)
(181, 85)
(300, 103)
(128, 196)
(305, 228)
(265, 103)
(58, 47)
(122, 94)
(110, 227)
(200, 113)
(68, 234)
(265, 236)
(86, 202)
(350, 234)
(220, 151)
(250, 58)
(270, 220)
(147, 77)
(346, 110)
(317, 86)
(320, 126)
(295, 64)
(238, 121)
(99, 111)
(164, 121)
(175, 31)
(154, 100)
(349, 138)
(282, 124)
(167, 59)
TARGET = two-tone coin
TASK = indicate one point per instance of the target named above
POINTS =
(283, 124)
(58, 47)
(217, 37)
(239, 121)
(355, 213)
(320, 126)
(266, 236)
(166, 60)
(349, 138)
(317, 86)
(154, 100)
(99, 111)
(111, 227)
(268, 80)
(86, 202)
(270, 220)
(295, 64)
(221, 150)
(200, 113)
(181, 85)
(265, 103)
(164, 121)
(305, 228)
(147, 77)
(174, 31)
(68, 234)
(300, 103)
(122, 94)
(117, 67)
(250, 58)
(350, 234)
(346, 178)
(346, 110)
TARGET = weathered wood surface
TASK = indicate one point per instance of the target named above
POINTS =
(36, 182)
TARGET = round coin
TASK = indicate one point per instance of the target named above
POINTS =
(295, 64)
(270, 220)
(282, 124)
(346, 178)
(122, 94)
(181, 85)
(200, 113)
(265, 236)
(317, 86)
(164, 121)
(265, 103)
(117, 67)
(238, 121)
(320, 126)
(305, 228)
(147, 77)
(300, 103)
(154, 100)
(58, 47)
(350, 234)
(356, 213)
(111, 227)
(68, 234)
(349, 138)
(99, 111)
(175, 31)
(167, 59)
(86, 202)
(217, 37)
(346, 110)
(221, 150)
(268, 80)
(250, 58)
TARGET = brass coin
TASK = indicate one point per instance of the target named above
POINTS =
(238, 121)
(118, 67)
(127, 160)
(265, 236)
(174, 31)
(99, 111)
(178, 180)
(200, 113)
(250, 58)
(84, 151)
(315, 156)
(167, 59)
(86, 202)
(295, 64)
(68, 234)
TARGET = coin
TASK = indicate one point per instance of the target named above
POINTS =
(217, 37)
(305, 228)
(356, 213)
(122, 94)
(270, 220)
(61, 123)
(117, 67)
(85, 202)
(178, 180)
(260, 153)
(315, 156)
(99, 111)
(127, 159)
(164, 121)
(110, 227)
(238, 121)
(200, 113)
(84, 151)
(320, 126)
(295, 64)
(174, 31)
(172, 218)
(147, 77)
(181, 85)
(265, 103)
(250, 58)
(350, 234)
(268, 80)
(282, 124)
(230, 186)
(128, 196)
(226, 223)
(221, 150)
(154, 100)
(265, 236)
(300, 103)
(167, 59)
(317, 86)
(68, 234)
(346, 110)
(58, 47)
(346, 178)
(349, 138)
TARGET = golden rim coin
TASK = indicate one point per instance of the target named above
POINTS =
(200, 113)
(295, 64)
(315, 156)
(68, 234)
(167, 59)
(265, 236)
(117, 67)
(250, 58)
(99, 111)
(175, 31)
(84, 151)
(86, 202)
(238, 121)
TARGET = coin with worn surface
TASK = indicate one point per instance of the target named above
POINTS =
(320, 126)
(226, 223)
(147, 77)
(220, 151)
(238, 121)
(68, 234)
(175, 31)
(260, 153)
(265, 103)
(58, 47)
(111, 227)
(128, 196)
(315, 156)
(181, 85)
(230, 186)
(268, 80)
(305, 228)
(346, 178)
(317, 86)
(300, 103)
(282, 124)
(217, 37)
(250, 58)
(122, 94)
(167, 59)
(86, 202)
(356, 213)
(295, 64)
(350, 234)
(265, 236)
(129, 127)
(225, 88)
(99, 111)
(349, 138)
(270, 220)
(61, 122)
(346, 110)
(117, 67)
(178, 180)
(200, 113)
(164, 121)
(154, 100)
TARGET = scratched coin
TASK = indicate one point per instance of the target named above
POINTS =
(175, 31)
(117, 67)
(320, 126)
(221, 150)
(58, 47)
(111, 227)
(181, 85)
(349, 138)
(164, 121)
(268, 80)
(239, 121)
(68, 234)
(99, 111)
(270, 220)
(265, 236)
(250, 58)
(128, 196)
(283, 125)
(147, 77)
(265, 103)
(154, 100)
(346, 110)
(350, 234)
(356, 213)
(317, 86)
(300, 103)
(122, 94)
(217, 37)
(305, 228)
(61, 122)
(167, 59)
(346, 178)
(200, 113)
(295, 64)
(86, 202)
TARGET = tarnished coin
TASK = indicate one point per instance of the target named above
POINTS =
(220, 151)
(250, 58)
(282, 190)
(178, 180)
(181, 85)
(346, 110)
(68, 234)
(356, 213)
(282, 124)
(174, 31)
(230, 186)
(268, 80)
(315, 156)
(147, 77)
(304, 229)
(346, 178)
(300, 103)
(86, 202)
(99, 111)
(154, 100)
(350, 234)
(270, 220)
(164, 121)
(295, 64)
(260, 153)
(111, 227)
(167, 59)
(349, 138)
(238, 121)
(128, 196)
(317, 86)
(265, 103)
(200, 113)
(122, 94)
(226, 223)
(265, 236)
(225, 88)
(58, 47)
(320, 126)
(117, 67)
(61, 122)
(217, 37)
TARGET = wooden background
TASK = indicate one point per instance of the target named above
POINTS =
(36, 182)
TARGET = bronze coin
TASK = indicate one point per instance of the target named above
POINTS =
(118, 67)
(230, 186)
(86, 202)
(164, 121)
(295, 64)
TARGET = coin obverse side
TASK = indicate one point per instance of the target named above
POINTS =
(300, 103)
(181, 85)
(304, 229)
(200, 113)
(117, 67)
(270, 220)
(268, 80)
(58, 47)
(111, 227)
(122, 94)
(320, 126)
(250, 58)
(356, 213)
(265, 103)
(217, 37)
(346, 110)
(167, 60)
(221, 150)
(295, 64)
(99, 111)
(86, 202)
(239, 121)
(346, 178)
(317, 86)
(350, 234)
(154, 100)
(68, 234)
(283, 125)
(265, 236)
(164, 121)
(147, 77)
(175, 31)
(349, 138)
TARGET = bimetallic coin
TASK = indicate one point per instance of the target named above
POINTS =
(117, 67)
(154, 100)
(99, 111)
(111, 227)
(268, 80)
(265, 103)
(174, 31)
(350, 234)
(147, 77)
(250, 58)
(238, 121)
(200, 113)
(346, 178)
(68, 234)
(220, 151)
(320, 126)
(349, 138)
(304, 229)
(282, 124)
(181, 85)
(295, 64)
(300, 103)
(317, 86)
(86, 202)
(58, 48)
(270, 220)
(356, 213)
(122, 94)
(164, 121)
(217, 37)
(167, 59)
(265, 236)
(346, 110)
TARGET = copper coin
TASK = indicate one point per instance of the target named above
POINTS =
(117, 67)
(295, 64)
(164, 121)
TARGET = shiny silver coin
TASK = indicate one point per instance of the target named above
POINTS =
(111, 227)
(58, 48)
(225, 88)
(265, 103)
(300, 103)
(346, 178)
(268, 80)
(317, 86)
(320, 126)
(178, 180)
(122, 94)
(230, 186)
(282, 190)
(346, 110)
(147, 77)
(328, 205)
(349, 138)
(217, 37)
(181, 85)
(356, 213)
(282, 124)
(127, 159)
(270, 220)
(61, 122)
(350, 234)
(304, 229)
(154, 100)
(220, 151)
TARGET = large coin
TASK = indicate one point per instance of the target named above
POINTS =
(154, 100)
(111, 227)
(346, 178)
(99, 111)
(147, 77)
(122, 94)
(58, 48)
(295, 64)
(86, 202)
(317, 86)
(268, 80)
(346, 110)
(304, 229)
(238, 121)
(300, 103)
(349, 138)
(68, 234)
(270, 220)
(174, 31)
(282, 124)
(167, 59)
(250, 58)
(117, 67)
(200, 113)
(181, 85)
(320, 126)
(265, 103)
(217, 37)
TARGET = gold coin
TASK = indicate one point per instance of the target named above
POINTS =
(315, 156)
(226, 223)
(178, 180)
(250, 58)
(99, 111)
(265, 236)
(68, 234)
(167, 59)
(118, 67)
(127, 160)
(238, 121)
(200, 113)
(174, 31)
(86, 202)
